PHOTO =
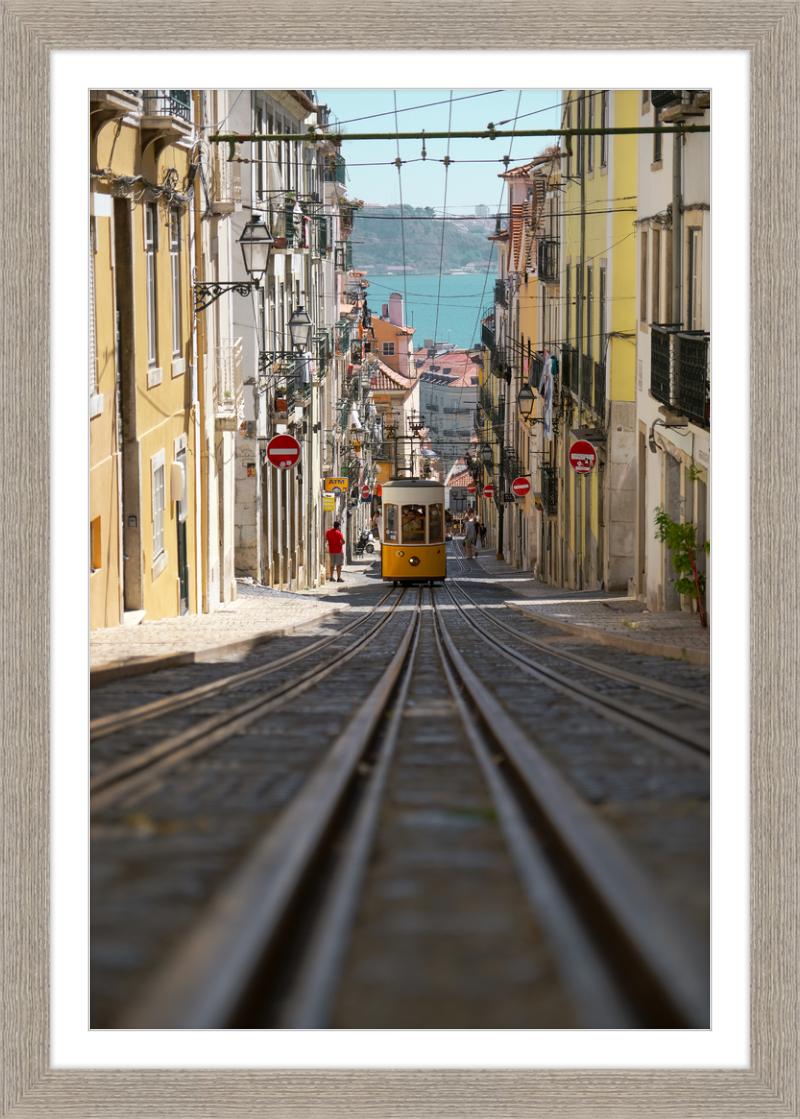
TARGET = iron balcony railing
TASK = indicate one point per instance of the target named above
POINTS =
(500, 293)
(679, 371)
(548, 260)
(335, 168)
(569, 368)
(599, 395)
(550, 490)
(167, 103)
(692, 385)
(488, 337)
(228, 386)
(587, 378)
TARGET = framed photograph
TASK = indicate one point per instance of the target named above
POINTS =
(381, 1085)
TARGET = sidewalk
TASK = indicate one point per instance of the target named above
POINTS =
(609, 619)
(258, 614)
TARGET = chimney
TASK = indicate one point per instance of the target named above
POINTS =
(396, 309)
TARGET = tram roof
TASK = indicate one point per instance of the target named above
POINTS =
(409, 483)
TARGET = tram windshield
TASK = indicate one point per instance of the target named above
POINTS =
(413, 517)
(435, 533)
(390, 523)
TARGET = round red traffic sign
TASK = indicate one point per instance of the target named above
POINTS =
(283, 451)
(582, 457)
(521, 486)
(366, 493)
(488, 490)
(472, 488)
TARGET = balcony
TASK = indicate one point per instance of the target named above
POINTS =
(335, 168)
(548, 261)
(550, 490)
(166, 117)
(167, 103)
(227, 194)
(569, 368)
(500, 293)
(488, 337)
(228, 390)
(679, 371)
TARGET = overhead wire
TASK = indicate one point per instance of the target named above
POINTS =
(444, 227)
(400, 185)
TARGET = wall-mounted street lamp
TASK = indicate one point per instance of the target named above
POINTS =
(525, 401)
(486, 455)
(256, 242)
(300, 329)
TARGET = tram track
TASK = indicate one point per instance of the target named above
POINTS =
(623, 957)
(135, 772)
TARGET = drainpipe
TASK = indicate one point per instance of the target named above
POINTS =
(677, 225)
(579, 479)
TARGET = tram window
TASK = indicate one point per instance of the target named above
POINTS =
(435, 525)
(413, 524)
(390, 523)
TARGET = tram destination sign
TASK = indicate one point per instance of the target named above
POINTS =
(283, 451)
(582, 457)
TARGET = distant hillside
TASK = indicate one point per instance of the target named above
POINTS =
(378, 235)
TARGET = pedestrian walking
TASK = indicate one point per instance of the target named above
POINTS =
(469, 537)
(482, 531)
(377, 522)
(477, 535)
(335, 540)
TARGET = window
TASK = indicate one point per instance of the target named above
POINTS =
(175, 263)
(590, 139)
(150, 233)
(694, 303)
(601, 313)
(413, 517)
(643, 278)
(390, 523)
(589, 347)
(157, 468)
(604, 124)
(657, 146)
(388, 349)
(656, 293)
(95, 550)
(435, 530)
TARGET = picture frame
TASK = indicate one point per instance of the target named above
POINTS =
(30, 1088)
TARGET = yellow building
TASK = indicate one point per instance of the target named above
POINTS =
(597, 513)
(143, 530)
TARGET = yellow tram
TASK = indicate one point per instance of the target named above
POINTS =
(412, 531)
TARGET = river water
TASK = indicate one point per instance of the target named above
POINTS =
(460, 300)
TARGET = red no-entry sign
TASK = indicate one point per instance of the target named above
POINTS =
(521, 486)
(488, 490)
(366, 493)
(582, 457)
(283, 451)
(472, 488)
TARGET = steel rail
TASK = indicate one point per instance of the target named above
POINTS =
(132, 774)
(671, 970)
(682, 743)
(132, 716)
(207, 980)
(584, 973)
(656, 686)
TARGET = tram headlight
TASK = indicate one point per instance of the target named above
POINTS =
(414, 561)
(401, 554)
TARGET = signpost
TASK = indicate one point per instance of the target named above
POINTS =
(521, 486)
(488, 490)
(366, 493)
(582, 457)
(283, 451)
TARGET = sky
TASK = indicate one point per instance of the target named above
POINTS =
(472, 178)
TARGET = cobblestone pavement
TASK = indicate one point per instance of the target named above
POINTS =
(256, 615)
(610, 619)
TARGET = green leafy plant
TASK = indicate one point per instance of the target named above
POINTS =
(681, 539)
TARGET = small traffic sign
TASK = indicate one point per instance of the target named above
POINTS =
(582, 457)
(488, 490)
(366, 493)
(472, 488)
(283, 451)
(521, 486)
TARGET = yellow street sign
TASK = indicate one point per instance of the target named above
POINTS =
(328, 502)
(336, 485)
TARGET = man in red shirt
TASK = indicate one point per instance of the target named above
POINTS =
(336, 548)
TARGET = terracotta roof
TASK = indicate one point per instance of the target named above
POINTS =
(385, 379)
(462, 479)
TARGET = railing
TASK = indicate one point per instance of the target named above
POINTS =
(335, 168)
(548, 260)
(228, 389)
(692, 385)
(500, 293)
(488, 337)
(569, 368)
(679, 371)
(587, 376)
(343, 256)
(166, 103)
(323, 351)
(550, 490)
(535, 370)
(599, 395)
